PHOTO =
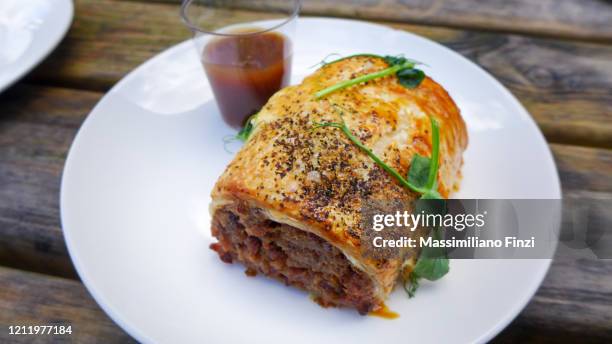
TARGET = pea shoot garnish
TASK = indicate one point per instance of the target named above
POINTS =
(422, 174)
(244, 133)
(403, 68)
(422, 178)
(432, 265)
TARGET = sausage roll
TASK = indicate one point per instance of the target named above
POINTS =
(288, 205)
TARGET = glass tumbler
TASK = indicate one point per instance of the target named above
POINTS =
(246, 54)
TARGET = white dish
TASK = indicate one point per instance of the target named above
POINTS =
(29, 31)
(135, 195)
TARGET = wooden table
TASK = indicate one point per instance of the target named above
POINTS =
(554, 55)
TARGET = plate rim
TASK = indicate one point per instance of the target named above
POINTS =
(67, 24)
(120, 320)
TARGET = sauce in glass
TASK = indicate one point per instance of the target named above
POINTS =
(246, 70)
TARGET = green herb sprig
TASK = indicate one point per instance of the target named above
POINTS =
(433, 262)
(403, 68)
(432, 265)
(422, 175)
(244, 133)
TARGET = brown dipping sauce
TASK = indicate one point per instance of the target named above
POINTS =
(245, 71)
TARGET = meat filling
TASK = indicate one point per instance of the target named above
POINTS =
(294, 256)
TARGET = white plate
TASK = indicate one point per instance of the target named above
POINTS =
(29, 30)
(135, 195)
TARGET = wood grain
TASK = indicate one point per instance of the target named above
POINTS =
(32, 299)
(584, 19)
(573, 304)
(583, 169)
(37, 126)
(564, 85)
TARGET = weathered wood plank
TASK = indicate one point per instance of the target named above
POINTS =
(565, 85)
(37, 126)
(573, 305)
(32, 299)
(583, 169)
(585, 19)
